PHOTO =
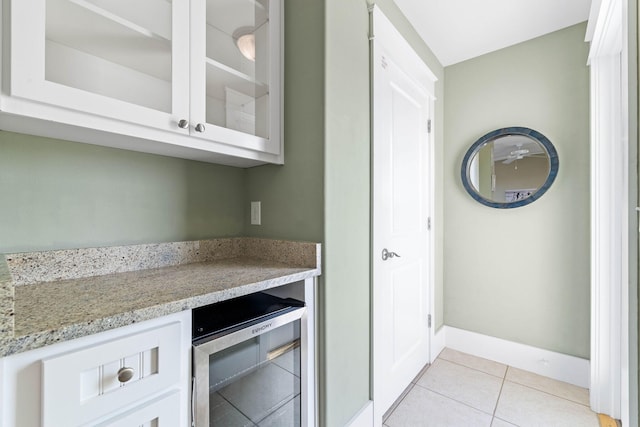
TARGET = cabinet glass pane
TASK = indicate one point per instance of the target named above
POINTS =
(117, 48)
(237, 65)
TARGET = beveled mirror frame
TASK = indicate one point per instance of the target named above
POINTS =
(515, 130)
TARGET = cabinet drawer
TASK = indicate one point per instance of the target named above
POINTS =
(164, 411)
(83, 385)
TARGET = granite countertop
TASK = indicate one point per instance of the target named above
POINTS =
(48, 297)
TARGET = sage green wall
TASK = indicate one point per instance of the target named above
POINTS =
(323, 190)
(59, 194)
(347, 200)
(522, 274)
(347, 294)
(292, 195)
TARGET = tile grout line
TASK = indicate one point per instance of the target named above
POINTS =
(504, 378)
(452, 399)
(504, 381)
(476, 369)
(397, 403)
(457, 401)
(422, 372)
(550, 394)
(404, 394)
(495, 408)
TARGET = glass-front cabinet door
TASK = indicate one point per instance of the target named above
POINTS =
(209, 70)
(123, 59)
(236, 78)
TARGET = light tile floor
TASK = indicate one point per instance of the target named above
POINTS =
(460, 390)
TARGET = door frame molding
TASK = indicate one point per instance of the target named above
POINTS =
(608, 60)
(383, 33)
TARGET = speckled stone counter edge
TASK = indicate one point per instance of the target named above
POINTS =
(7, 296)
(10, 346)
(26, 268)
(50, 266)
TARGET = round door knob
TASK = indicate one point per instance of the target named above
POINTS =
(183, 124)
(199, 127)
(125, 374)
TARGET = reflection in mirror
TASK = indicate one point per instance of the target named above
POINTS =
(509, 167)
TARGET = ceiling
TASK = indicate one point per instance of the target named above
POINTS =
(457, 30)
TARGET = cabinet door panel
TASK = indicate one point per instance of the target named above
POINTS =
(235, 67)
(104, 57)
(83, 385)
(164, 411)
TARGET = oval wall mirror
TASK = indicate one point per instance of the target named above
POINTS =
(509, 167)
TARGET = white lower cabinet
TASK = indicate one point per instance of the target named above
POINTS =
(136, 375)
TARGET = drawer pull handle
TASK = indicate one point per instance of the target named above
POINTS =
(125, 374)
(183, 124)
(200, 127)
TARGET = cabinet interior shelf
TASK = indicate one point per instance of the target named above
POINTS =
(220, 76)
(118, 16)
(101, 27)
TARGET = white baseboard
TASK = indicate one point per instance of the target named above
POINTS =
(438, 343)
(364, 417)
(558, 366)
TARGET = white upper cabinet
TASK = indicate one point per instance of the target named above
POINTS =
(235, 69)
(201, 78)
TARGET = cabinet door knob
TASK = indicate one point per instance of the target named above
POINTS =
(125, 374)
(199, 127)
(183, 124)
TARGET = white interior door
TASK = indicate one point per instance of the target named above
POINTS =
(401, 212)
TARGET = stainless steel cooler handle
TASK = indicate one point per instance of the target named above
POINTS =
(247, 333)
(193, 401)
